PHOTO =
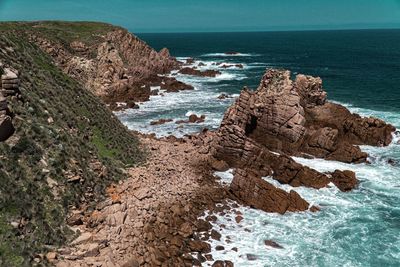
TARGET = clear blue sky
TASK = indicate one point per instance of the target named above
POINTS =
(213, 15)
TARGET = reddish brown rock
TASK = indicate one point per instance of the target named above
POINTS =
(199, 246)
(292, 118)
(193, 118)
(344, 180)
(257, 193)
(219, 165)
(119, 67)
(173, 85)
(222, 264)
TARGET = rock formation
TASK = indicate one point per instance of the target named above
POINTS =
(284, 118)
(119, 67)
(195, 72)
(9, 88)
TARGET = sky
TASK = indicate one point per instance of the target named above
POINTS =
(212, 15)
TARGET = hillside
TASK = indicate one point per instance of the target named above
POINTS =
(108, 60)
(66, 149)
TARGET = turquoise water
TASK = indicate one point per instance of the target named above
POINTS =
(360, 69)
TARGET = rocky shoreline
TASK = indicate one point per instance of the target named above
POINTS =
(152, 218)
(162, 214)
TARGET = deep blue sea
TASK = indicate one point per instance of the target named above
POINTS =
(360, 69)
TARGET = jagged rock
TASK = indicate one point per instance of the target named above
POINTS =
(194, 72)
(199, 246)
(223, 96)
(291, 118)
(121, 65)
(193, 118)
(160, 121)
(344, 180)
(173, 85)
(260, 194)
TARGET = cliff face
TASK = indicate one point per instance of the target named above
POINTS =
(284, 118)
(64, 149)
(112, 63)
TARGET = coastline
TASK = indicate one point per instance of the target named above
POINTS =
(169, 210)
(153, 218)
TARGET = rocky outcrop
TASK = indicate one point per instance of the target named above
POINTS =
(9, 89)
(118, 66)
(196, 72)
(284, 118)
(173, 85)
(262, 195)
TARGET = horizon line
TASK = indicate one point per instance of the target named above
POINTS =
(263, 31)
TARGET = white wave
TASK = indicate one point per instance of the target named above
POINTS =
(225, 177)
(229, 55)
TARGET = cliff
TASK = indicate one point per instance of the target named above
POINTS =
(61, 146)
(107, 60)
(283, 118)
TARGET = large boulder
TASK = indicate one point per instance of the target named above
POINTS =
(257, 193)
(6, 128)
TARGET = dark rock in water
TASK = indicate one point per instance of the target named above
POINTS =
(215, 235)
(223, 96)
(219, 248)
(160, 121)
(132, 105)
(271, 243)
(220, 263)
(154, 92)
(344, 180)
(194, 72)
(257, 193)
(314, 209)
(392, 162)
(173, 85)
(251, 257)
(193, 119)
(189, 61)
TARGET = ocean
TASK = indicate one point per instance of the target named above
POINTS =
(361, 70)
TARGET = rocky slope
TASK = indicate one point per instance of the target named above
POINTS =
(108, 60)
(284, 118)
(64, 149)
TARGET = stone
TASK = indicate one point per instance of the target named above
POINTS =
(344, 180)
(195, 72)
(257, 193)
(271, 243)
(219, 165)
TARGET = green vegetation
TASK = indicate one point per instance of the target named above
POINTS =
(62, 131)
